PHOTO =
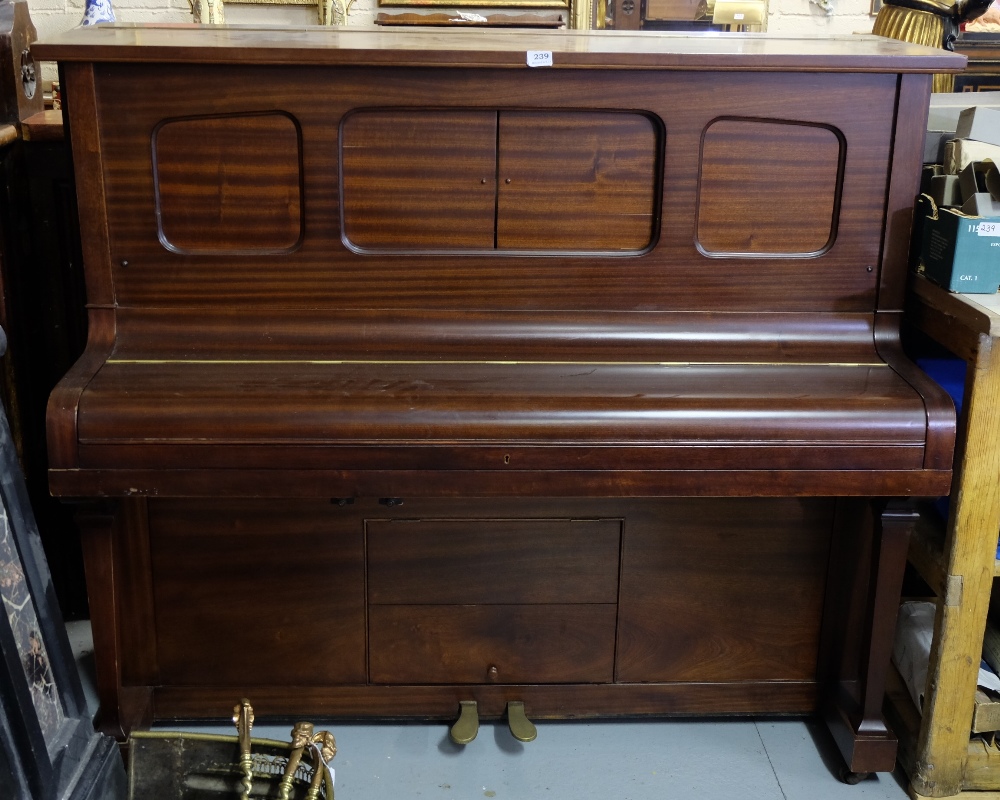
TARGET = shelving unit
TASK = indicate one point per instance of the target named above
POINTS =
(958, 561)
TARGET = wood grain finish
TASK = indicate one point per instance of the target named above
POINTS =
(904, 185)
(768, 188)
(419, 180)
(943, 760)
(680, 482)
(495, 643)
(261, 592)
(600, 194)
(228, 184)
(490, 561)
(325, 273)
(722, 593)
(425, 181)
(545, 701)
(230, 334)
(543, 414)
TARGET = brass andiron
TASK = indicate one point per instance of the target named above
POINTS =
(177, 765)
(302, 734)
(934, 23)
(325, 748)
(243, 719)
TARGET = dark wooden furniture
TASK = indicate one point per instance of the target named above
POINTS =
(41, 285)
(983, 71)
(419, 376)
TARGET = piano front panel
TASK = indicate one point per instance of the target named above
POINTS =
(768, 188)
(254, 592)
(265, 593)
(655, 126)
(228, 184)
(417, 180)
(600, 194)
(726, 591)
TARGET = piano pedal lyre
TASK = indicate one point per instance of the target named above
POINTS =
(466, 727)
(521, 727)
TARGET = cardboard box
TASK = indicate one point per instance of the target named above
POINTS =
(972, 179)
(959, 153)
(946, 190)
(945, 107)
(934, 145)
(959, 252)
(979, 123)
(981, 204)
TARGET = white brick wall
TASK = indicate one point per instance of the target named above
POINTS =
(51, 16)
(55, 16)
(804, 17)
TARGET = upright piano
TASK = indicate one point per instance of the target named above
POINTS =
(438, 370)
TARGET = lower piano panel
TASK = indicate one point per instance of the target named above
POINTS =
(558, 701)
(676, 606)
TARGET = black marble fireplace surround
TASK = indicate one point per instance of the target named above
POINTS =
(49, 749)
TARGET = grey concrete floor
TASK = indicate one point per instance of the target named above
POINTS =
(749, 759)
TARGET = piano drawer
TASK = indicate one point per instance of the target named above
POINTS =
(479, 644)
(493, 561)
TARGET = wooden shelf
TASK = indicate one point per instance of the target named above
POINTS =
(927, 550)
(986, 715)
(45, 126)
(958, 561)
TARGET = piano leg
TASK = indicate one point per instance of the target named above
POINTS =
(122, 708)
(854, 713)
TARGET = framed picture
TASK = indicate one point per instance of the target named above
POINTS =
(562, 4)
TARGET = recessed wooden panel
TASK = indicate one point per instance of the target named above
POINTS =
(419, 180)
(727, 591)
(768, 188)
(257, 592)
(324, 274)
(228, 184)
(459, 644)
(576, 180)
(493, 561)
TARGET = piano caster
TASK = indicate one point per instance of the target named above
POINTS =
(521, 727)
(851, 778)
(466, 727)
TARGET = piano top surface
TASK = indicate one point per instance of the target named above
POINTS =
(491, 48)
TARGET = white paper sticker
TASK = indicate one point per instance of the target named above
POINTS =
(539, 58)
(989, 229)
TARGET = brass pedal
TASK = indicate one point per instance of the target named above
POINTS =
(467, 726)
(521, 727)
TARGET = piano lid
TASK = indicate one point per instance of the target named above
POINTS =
(490, 48)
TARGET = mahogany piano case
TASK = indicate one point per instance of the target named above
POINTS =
(418, 375)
